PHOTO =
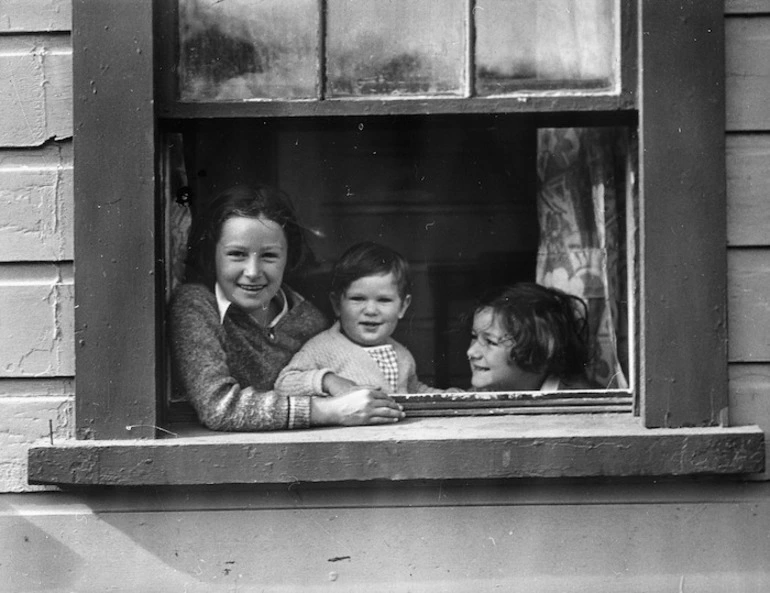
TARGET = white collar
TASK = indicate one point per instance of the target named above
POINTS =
(223, 304)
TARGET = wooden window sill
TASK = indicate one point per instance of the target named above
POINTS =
(438, 448)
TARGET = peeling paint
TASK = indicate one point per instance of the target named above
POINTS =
(36, 103)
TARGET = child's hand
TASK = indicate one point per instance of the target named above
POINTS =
(335, 385)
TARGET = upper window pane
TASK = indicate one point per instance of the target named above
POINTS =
(548, 44)
(395, 48)
(246, 49)
(241, 50)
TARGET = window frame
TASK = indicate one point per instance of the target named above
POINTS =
(682, 274)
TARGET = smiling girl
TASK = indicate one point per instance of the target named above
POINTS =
(527, 337)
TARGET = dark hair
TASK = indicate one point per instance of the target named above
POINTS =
(240, 200)
(548, 327)
(368, 259)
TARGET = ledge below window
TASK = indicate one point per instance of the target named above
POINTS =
(495, 447)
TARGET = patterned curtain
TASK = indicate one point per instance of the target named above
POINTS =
(580, 247)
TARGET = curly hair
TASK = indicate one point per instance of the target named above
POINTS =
(240, 200)
(548, 327)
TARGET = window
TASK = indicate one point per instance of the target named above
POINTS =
(679, 230)
(460, 194)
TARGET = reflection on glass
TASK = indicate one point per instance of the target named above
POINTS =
(394, 48)
(545, 44)
(247, 49)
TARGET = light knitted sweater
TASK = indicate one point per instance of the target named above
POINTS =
(332, 352)
(227, 368)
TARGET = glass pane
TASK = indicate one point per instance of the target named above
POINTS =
(549, 44)
(399, 47)
(247, 49)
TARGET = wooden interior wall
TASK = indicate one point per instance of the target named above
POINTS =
(454, 195)
(747, 25)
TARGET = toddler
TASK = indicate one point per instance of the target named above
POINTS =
(370, 293)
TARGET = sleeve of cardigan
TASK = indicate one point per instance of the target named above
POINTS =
(200, 363)
(305, 372)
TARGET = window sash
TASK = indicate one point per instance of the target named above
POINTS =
(543, 96)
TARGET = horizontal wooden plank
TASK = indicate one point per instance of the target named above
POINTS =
(750, 394)
(748, 308)
(35, 90)
(390, 539)
(606, 107)
(497, 447)
(532, 402)
(603, 493)
(26, 420)
(747, 45)
(37, 321)
(36, 204)
(33, 16)
(569, 408)
(15, 273)
(750, 399)
(499, 403)
(748, 190)
(36, 386)
(747, 7)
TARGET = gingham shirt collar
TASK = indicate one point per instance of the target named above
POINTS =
(385, 357)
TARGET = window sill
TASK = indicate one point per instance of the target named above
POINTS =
(467, 448)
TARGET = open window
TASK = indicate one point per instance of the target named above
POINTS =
(472, 201)
(409, 123)
(483, 106)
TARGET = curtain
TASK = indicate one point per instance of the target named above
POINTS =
(581, 180)
(176, 196)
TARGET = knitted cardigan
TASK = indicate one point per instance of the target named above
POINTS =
(227, 368)
(331, 351)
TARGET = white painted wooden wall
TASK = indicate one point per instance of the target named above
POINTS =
(670, 536)
(37, 356)
(747, 35)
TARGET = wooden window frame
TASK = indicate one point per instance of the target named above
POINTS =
(681, 290)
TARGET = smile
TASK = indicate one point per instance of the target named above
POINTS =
(251, 287)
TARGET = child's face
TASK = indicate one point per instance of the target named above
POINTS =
(370, 308)
(250, 260)
(490, 357)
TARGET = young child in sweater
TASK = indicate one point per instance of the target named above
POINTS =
(370, 293)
